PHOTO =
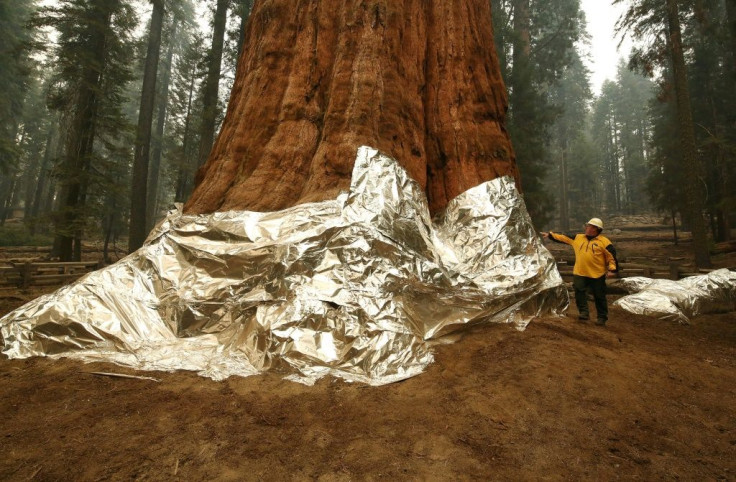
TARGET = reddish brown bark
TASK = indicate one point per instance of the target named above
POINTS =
(416, 79)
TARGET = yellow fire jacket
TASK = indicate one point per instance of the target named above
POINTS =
(593, 257)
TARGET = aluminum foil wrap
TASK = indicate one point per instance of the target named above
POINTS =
(680, 300)
(354, 287)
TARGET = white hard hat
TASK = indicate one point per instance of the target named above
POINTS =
(596, 222)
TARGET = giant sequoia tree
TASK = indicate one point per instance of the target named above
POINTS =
(417, 79)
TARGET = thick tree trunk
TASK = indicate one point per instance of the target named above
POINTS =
(522, 29)
(139, 188)
(417, 79)
(691, 164)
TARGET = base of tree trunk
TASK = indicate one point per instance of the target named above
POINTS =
(418, 80)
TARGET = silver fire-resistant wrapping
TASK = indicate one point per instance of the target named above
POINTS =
(680, 300)
(353, 287)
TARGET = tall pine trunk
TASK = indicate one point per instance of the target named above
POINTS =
(139, 188)
(32, 177)
(212, 83)
(183, 182)
(691, 164)
(564, 203)
(158, 139)
(616, 163)
(41, 186)
(8, 184)
(731, 21)
(417, 79)
(7, 191)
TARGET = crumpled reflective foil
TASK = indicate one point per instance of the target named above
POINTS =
(680, 300)
(354, 287)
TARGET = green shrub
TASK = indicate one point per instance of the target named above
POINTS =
(18, 235)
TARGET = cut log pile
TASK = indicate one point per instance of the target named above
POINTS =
(673, 270)
(25, 274)
(724, 247)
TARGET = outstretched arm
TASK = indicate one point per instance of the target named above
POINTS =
(560, 238)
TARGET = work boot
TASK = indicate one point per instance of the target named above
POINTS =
(583, 318)
(601, 322)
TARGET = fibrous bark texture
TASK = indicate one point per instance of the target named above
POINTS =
(416, 79)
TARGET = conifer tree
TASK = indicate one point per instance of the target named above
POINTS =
(714, 108)
(571, 95)
(212, 82)
(659, 21)
(15, 67)
(141, 159)
(536, 41)
(185, 111)
(93, 59)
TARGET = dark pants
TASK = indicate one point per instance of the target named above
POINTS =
(598, 286)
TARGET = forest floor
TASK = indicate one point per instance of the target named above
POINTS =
(640, 398)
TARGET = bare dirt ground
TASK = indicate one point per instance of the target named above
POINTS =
(639, 399)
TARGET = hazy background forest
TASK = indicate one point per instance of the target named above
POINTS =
(109, 107)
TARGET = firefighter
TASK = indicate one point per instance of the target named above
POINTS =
(595, 260)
